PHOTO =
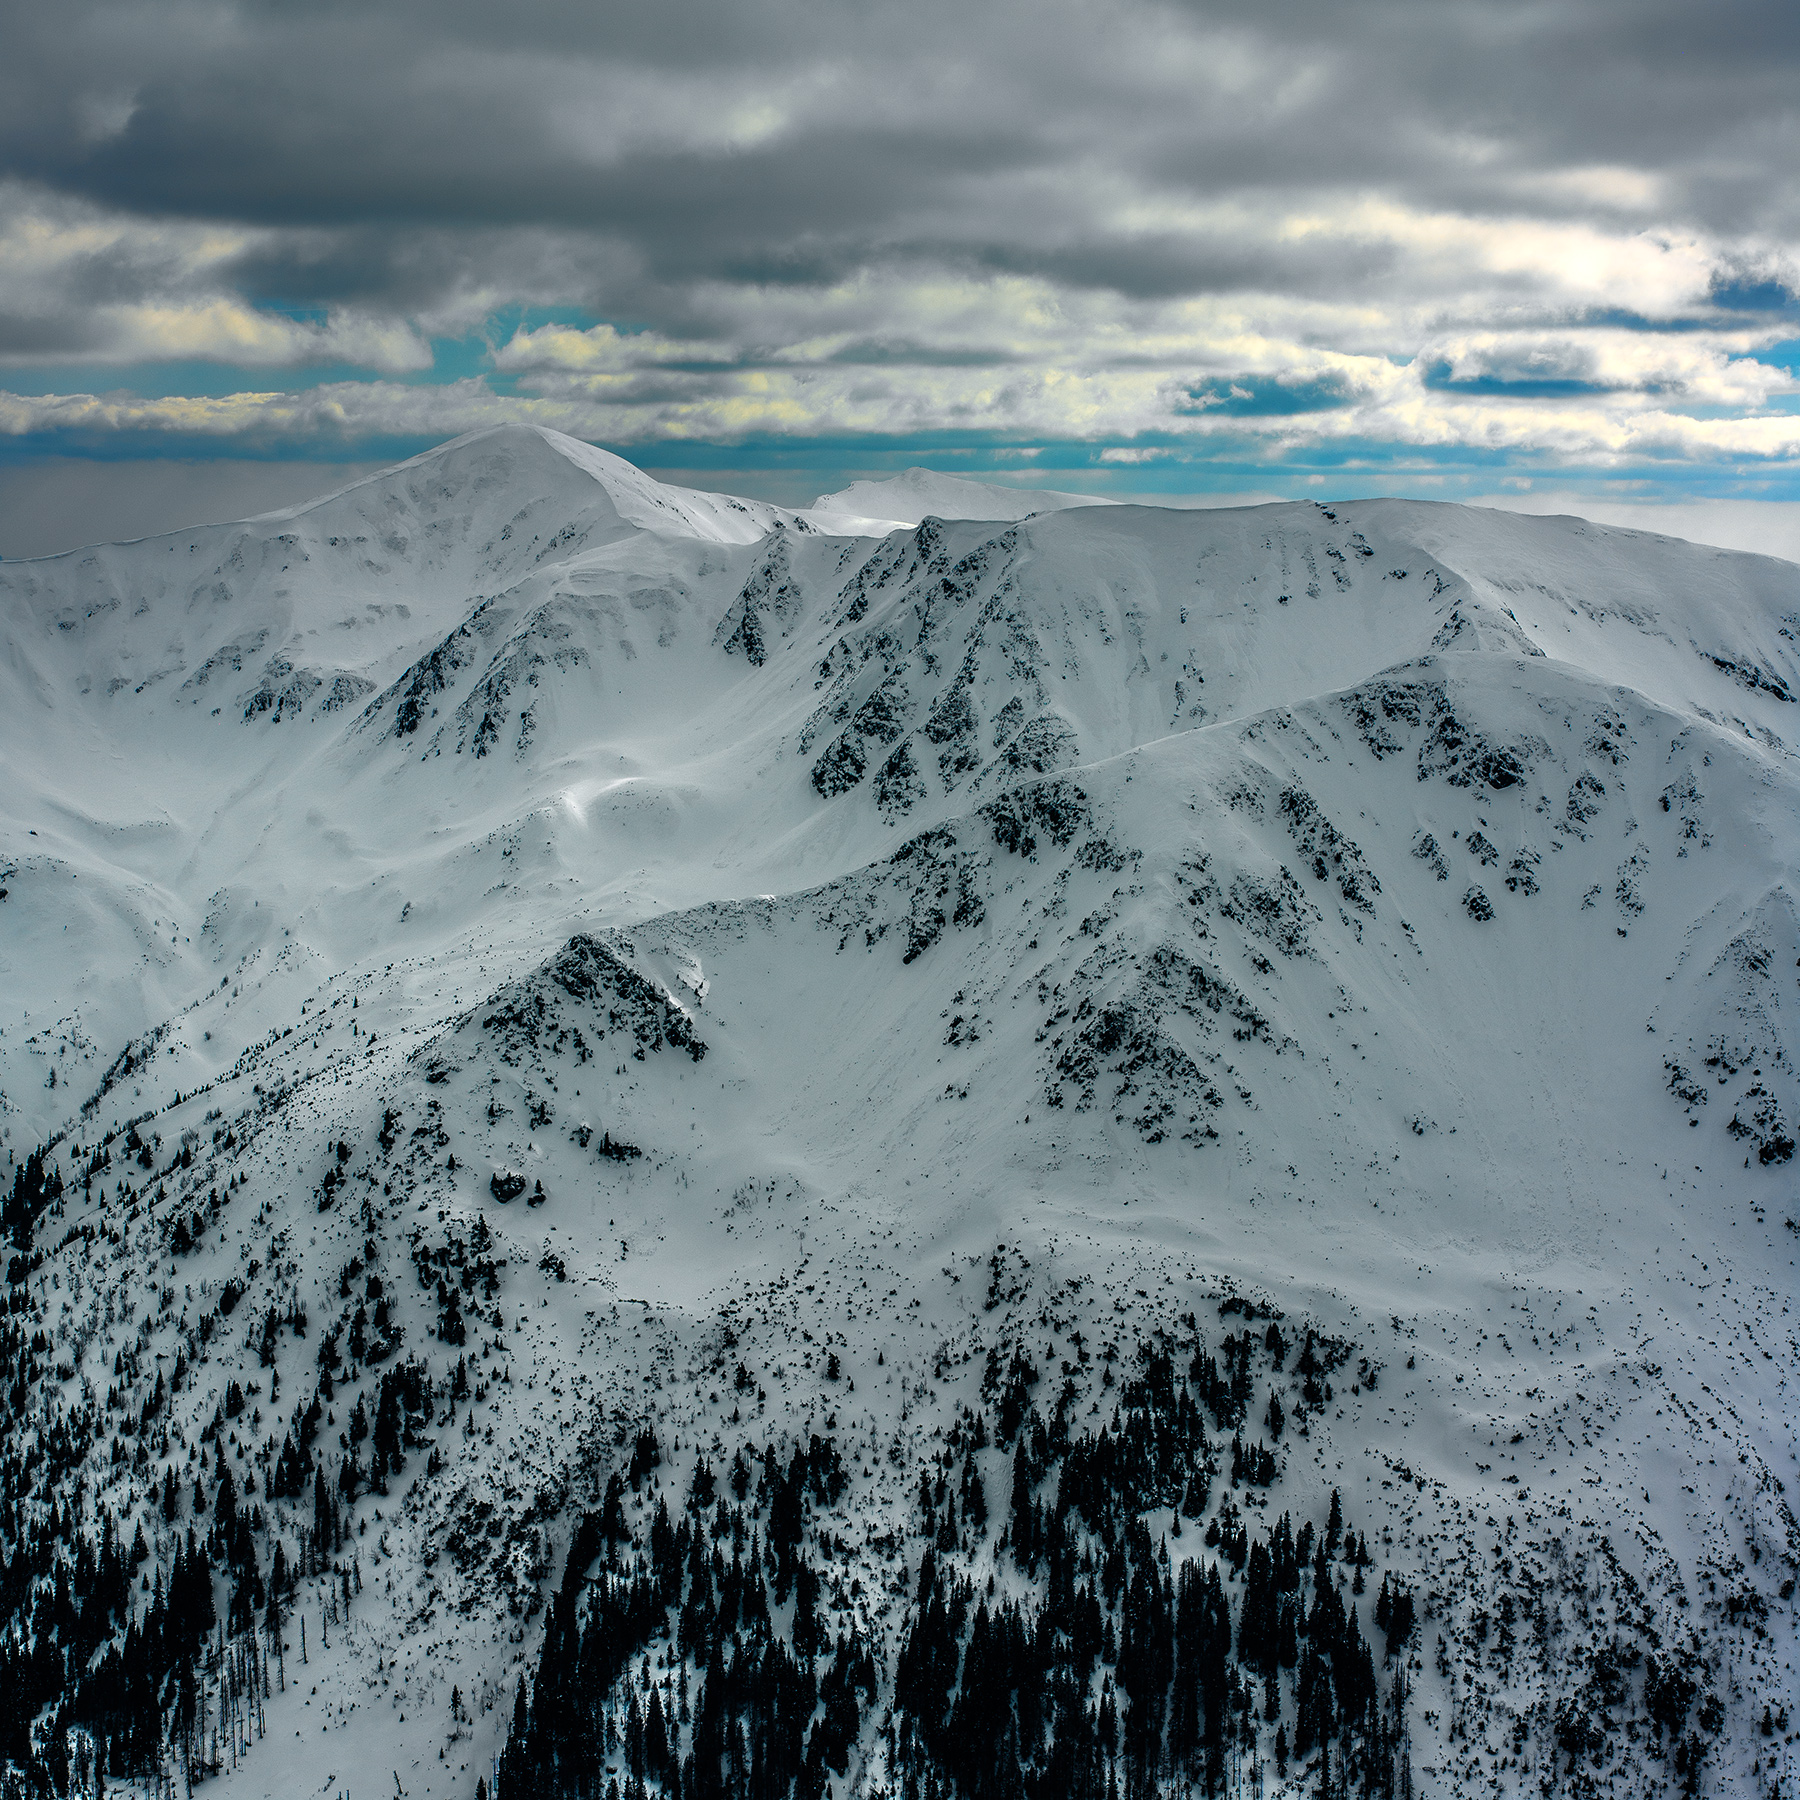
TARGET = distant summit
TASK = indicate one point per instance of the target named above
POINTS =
(917, 494)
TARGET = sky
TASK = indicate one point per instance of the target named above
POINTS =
(1537, 253)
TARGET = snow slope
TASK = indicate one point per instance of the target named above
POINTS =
(905, 944)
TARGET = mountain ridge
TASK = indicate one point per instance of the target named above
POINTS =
(771, 993)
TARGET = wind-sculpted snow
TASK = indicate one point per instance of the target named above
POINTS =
(664, 1144)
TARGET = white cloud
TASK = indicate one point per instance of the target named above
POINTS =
(1698, 368)
(80, 286)
(224, 330)
(601, 350)
(1099, 406)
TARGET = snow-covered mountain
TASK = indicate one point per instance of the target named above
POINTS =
(514, 975)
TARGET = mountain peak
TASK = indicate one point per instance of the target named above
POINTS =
(533, 463)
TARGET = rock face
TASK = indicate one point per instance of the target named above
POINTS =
(736, 1151)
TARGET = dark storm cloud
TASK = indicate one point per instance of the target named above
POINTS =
(363, 264)
(1006, 135)
(1166, 265)
(47, 334)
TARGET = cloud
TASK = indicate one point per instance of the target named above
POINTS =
(1106, 409)
(1568, 230)
(603, 349)
(77, 285)
(1699, 369)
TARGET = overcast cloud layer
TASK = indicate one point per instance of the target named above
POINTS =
(1415, 236)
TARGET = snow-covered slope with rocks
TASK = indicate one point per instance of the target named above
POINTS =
(514, 975)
